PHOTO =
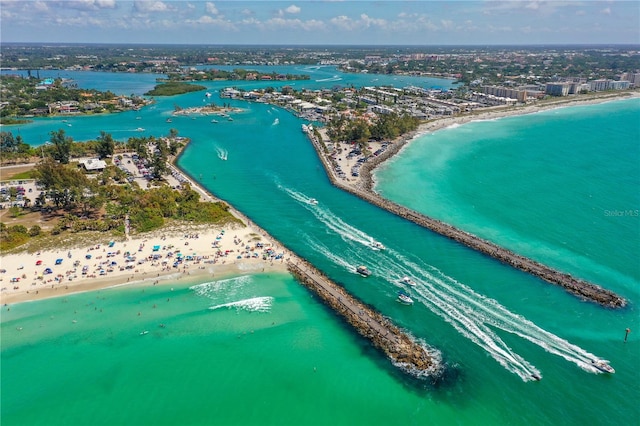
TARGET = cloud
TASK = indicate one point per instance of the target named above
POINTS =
(447, 24)
(143, 6)
(211, 8)
(293, 9)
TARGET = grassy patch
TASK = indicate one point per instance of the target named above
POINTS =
(23, 175)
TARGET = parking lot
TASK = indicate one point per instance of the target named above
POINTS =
(14, 192)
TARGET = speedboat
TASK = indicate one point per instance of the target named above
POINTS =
(602, 365)
(139, 129)
(404, 298)
(214, 121)
(362, 270)
(407, 281)
(313, 201)
(376, 245)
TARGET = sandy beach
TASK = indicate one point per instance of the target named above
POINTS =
(365, 179)
(146, 259)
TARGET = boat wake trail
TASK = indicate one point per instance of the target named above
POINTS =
(474, 316)
(332, 221)
(255, 304)
(332, 256)
(334, 78)
(222, 153)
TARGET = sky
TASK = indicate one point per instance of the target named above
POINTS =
(317, 22)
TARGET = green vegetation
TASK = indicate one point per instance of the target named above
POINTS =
(386, 127)
(12, 236)
(103, 203)
(173, 88)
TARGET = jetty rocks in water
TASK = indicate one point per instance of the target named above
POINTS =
(404, 352)
(364, 190)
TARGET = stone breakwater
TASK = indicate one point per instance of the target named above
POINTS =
(363, 188)
(403, 351)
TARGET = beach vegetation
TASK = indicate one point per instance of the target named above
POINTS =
(12, 236)
(34, 231)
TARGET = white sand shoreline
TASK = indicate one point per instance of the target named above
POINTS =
(146, 259)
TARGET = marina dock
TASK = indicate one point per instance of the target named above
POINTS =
(403, 351)
(363, 190)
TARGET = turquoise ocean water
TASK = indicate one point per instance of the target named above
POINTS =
(259, 349)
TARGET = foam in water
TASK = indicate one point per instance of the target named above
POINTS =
(254, 304)
(214, 289)
(223, 154)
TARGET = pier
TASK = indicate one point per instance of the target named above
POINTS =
(364, 190)
(403, 351)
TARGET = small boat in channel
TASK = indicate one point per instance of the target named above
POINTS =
(376, 245)
(602, 365)
(363, 271)
(407, 281)
(313, 201)
(404, 298)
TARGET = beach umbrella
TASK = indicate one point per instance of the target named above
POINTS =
(58, 261)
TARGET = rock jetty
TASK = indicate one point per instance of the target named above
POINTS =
(364, 189)
(403, 351)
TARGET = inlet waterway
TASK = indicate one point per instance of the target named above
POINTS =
(270, 353)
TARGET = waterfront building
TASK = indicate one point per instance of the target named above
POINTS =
(506, 92)
(557, 89)
(633, 78)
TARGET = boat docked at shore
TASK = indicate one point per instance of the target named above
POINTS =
(404, 298)
(363, 271)
(603, 366)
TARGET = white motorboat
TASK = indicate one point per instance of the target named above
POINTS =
(313, 201)
(376, 245)
(407, 281)
(602, 365)
(404, 298)
(363, 271)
